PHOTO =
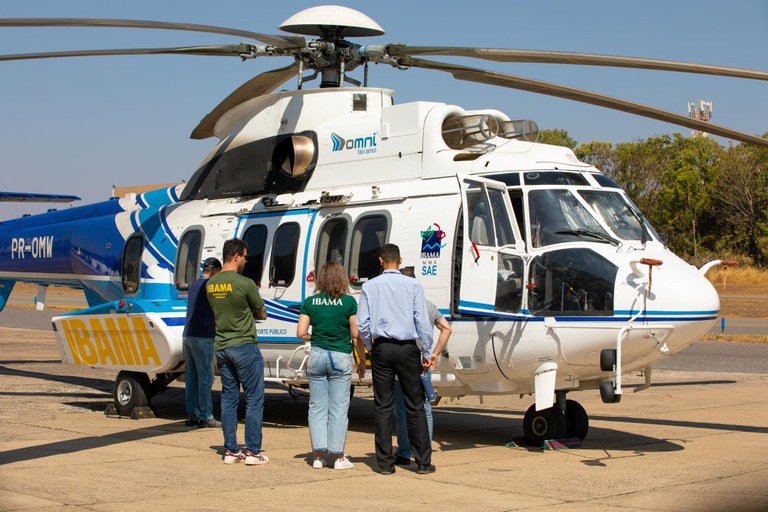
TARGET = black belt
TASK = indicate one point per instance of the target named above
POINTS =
(392, 340)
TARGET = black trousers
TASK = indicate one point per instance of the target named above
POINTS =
(390, 358)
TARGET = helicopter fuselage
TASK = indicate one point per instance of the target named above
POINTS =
(539, 261)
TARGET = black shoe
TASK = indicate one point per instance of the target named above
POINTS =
(191, 422)
(211, 423)
(402, 461)
(425, 469)
(386, 471)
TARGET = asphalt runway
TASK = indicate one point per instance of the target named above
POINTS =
(695, 441)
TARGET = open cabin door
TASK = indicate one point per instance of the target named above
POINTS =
(491, 266)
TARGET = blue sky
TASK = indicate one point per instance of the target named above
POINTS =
(81, 125)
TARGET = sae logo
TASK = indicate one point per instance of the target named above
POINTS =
(363, 145)
(431, 241)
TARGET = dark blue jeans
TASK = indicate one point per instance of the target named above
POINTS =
(198, 379)
(242, 364)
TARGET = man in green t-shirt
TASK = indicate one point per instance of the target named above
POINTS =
(236, 304)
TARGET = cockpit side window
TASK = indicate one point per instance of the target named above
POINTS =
(501, 221)
(480, 219)
(131, 268)
(576, 282)
(516, 198)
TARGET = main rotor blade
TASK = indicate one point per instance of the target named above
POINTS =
(232, 50)
(278, 40)
(570, 93)
(253, 88)
(579, 59)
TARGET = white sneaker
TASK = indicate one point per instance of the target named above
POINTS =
(233, 457)
(318, 463)
(253, 459)
(343, 463)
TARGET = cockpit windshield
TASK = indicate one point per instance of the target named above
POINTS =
(557, 216)
(616, 213)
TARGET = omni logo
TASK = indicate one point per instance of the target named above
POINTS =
(363, 145)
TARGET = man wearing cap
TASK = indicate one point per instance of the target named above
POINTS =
(199, 332)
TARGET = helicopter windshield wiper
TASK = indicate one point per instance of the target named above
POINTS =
(641, 220)
(602, 237)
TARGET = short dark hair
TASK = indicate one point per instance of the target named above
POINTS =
(390, 253)
(211, 264)
(232, 247)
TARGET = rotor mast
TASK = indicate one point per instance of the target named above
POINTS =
(331, 56)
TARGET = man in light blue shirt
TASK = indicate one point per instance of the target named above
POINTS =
(391, 315)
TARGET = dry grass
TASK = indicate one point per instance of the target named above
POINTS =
(735, 338)
(57, 290)
(739, 276)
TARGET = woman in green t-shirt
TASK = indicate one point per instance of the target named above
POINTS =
(331, 313)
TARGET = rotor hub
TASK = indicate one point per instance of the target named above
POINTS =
(331, 22)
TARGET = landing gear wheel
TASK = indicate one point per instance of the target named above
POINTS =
(576, 420)
(538, 426)
(132, 389)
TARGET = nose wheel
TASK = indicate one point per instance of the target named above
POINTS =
(553, 423)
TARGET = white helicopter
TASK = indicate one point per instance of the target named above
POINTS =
(552, 278)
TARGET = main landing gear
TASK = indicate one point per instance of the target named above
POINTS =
(565, 419)
(134, 389)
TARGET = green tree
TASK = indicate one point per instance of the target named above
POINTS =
(638, 168)
(687, 182)
(556, 137)
(740, 198)
(598, 153)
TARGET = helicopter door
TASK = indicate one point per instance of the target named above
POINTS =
(491, 265)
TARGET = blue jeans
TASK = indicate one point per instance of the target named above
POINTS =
(242, 364)
(329, 374)
(403, 444)
(198, 377)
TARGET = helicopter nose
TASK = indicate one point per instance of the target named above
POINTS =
(683, 296)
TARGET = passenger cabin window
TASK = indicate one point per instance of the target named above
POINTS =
(332, 242)
(368, 237)
(284, 249)
(256, 238)
(131, 271)
(188, 259)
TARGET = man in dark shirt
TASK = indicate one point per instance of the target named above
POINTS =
(199, 332)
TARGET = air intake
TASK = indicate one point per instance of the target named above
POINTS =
(523, 129)
(461, 132)
(295, 156)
